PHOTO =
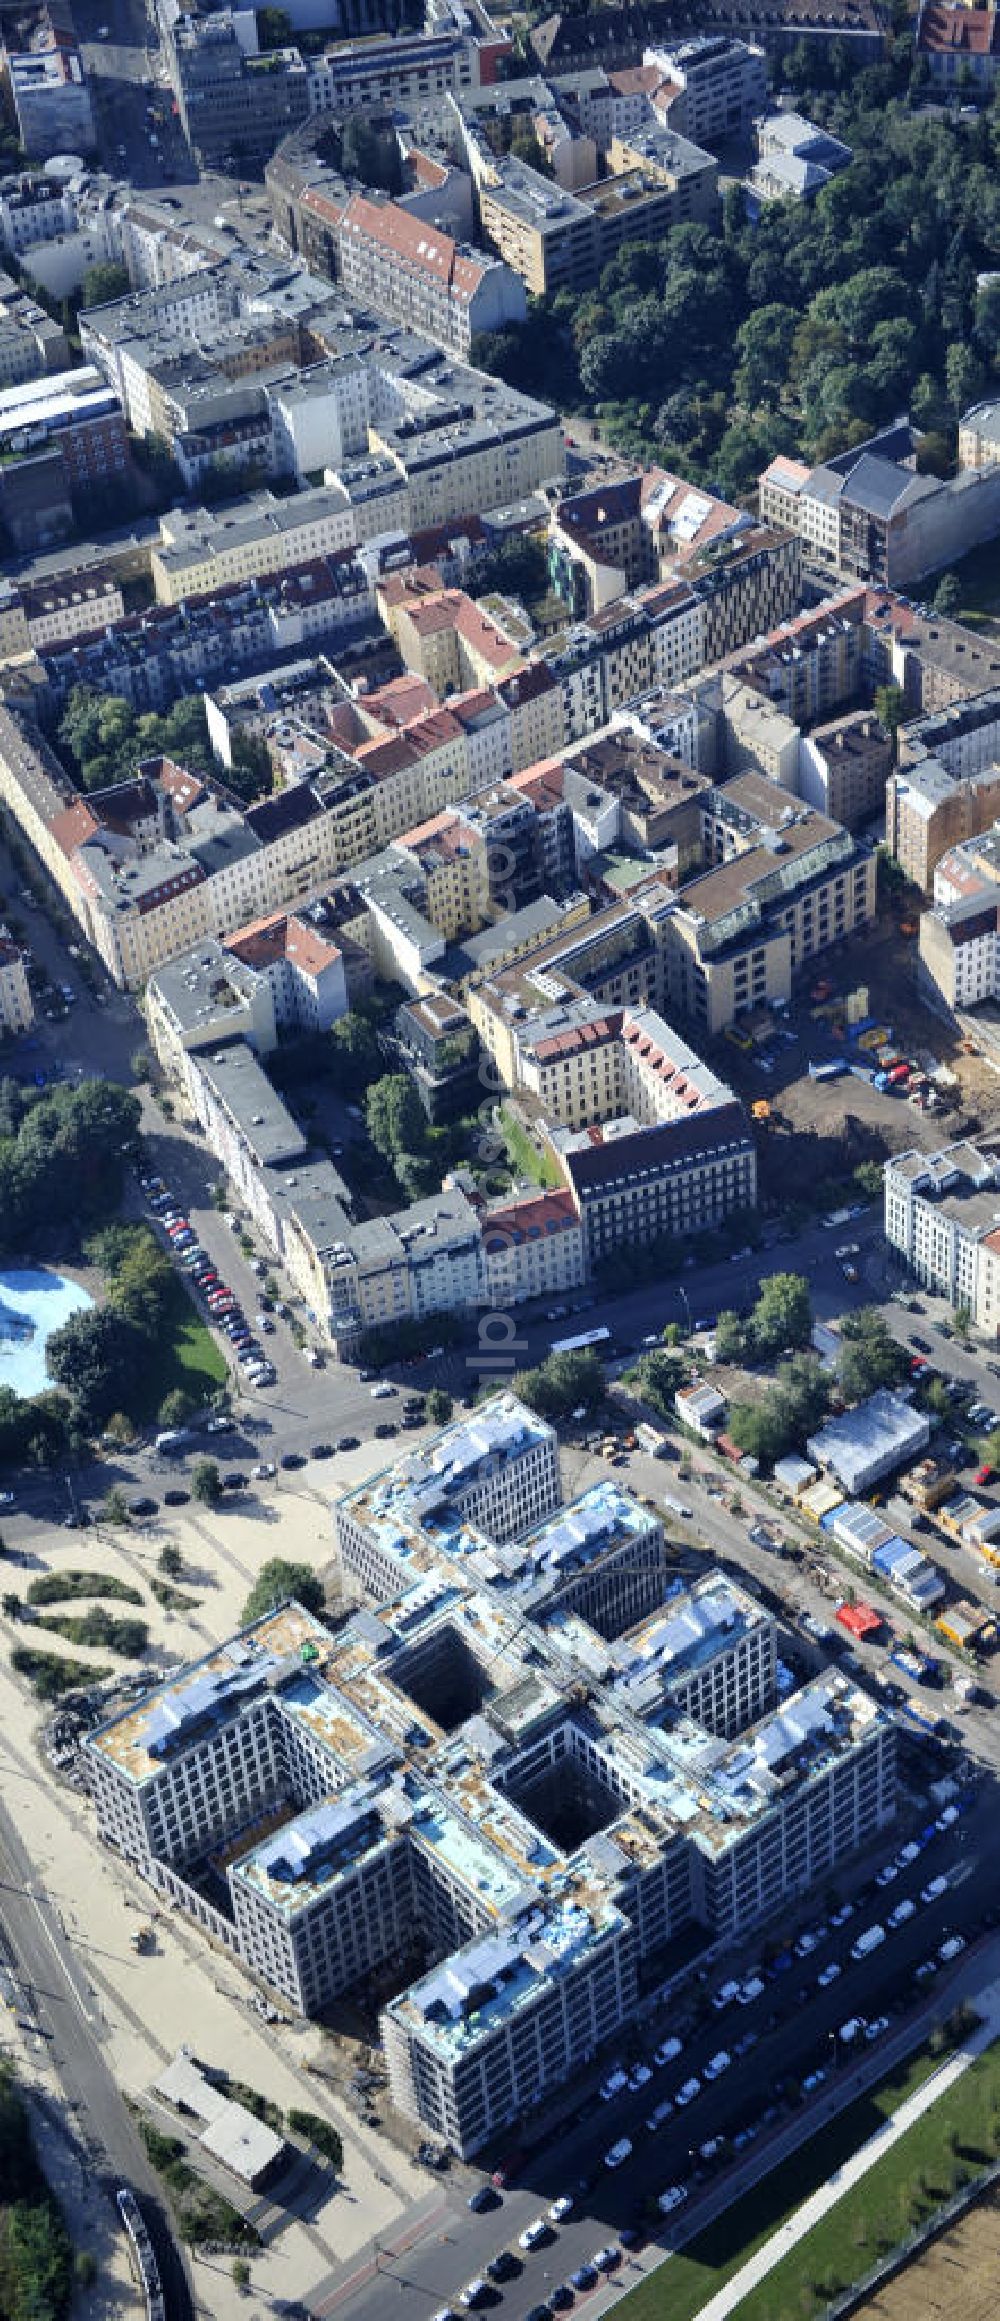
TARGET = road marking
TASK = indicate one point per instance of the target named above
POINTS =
(90, 2015)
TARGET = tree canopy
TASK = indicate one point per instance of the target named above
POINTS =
(61, 1155)
(562, 1383)
(871, 1356)
(276, 1582)
(105, 738)
(779, 1321)
(103, 283)
(806, 329)
(787, 1413)
(94, 1355)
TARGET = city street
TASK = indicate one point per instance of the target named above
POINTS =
(67, 2046)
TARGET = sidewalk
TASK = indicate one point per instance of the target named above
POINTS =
(728, 2299)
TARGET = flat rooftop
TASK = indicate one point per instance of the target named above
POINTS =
(497, 1977)
(209, 1693)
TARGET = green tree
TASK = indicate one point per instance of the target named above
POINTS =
(438, 1406)
(274, 28)
(938, 1399)
(871, 1357)
(395, 1116)
(963, 376)
(517, 566)
(316, 2130)
(370, 154)
(562, 1383)
(115, 1505)
(417, 1174)
(730, 1337)
(764, 346)
(525, 147)
(890, 707)
(251, 774)
(206, 1482)
(170, 1562)
(104, 283)
(94, 1355)
(241, 2275)
(176, 1408)
(661, 1374)
(280, 1582)
(356, 1055)
(782, 1315)
(947, 598)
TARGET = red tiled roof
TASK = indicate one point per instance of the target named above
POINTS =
(958, 31)
(529, 1220)
(413, 242)
(73, 827)
(635, 80)
(403, 699)
(542, 783)
(264, 941)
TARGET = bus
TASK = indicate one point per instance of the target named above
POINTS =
(579, 1344)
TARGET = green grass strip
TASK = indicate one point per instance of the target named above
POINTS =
(677, 2291)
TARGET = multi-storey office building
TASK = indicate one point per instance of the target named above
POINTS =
(712, 1657)
(233, 103)
(496, 1471)
(486, 1780)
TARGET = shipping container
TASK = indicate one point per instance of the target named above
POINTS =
(922, 1666)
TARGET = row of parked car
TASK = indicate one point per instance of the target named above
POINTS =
(744, 1992)
(541, 2233)
(219, 1300)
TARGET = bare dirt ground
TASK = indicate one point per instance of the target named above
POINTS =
(826, 1128)
(956, 2279)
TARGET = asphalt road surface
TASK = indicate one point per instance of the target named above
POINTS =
(60, 2001)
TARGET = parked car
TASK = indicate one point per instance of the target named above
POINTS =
(668, 2051)
(689, 2092)
(619, 2153)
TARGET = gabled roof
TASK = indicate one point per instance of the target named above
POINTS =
(414, 244)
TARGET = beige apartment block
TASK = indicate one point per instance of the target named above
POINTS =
(17, 1012)
(928, 810)
(199, 551)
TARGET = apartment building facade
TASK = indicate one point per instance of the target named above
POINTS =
(17, 1009)
(422, 277)
(942, 1213)
(722, 84)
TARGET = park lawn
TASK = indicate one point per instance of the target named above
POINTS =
(186, 1355)
(951, 2141)
(540, 1167)
(678, 2291)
